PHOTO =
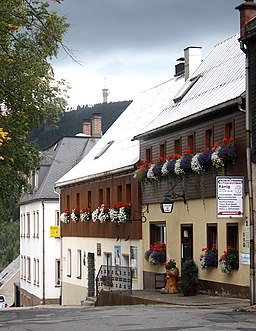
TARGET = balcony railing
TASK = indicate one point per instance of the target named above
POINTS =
(114, 278)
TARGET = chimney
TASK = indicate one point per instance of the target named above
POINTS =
(96, 125)
(179, 67)
(87, 126)
(193, 58)
(247, 12)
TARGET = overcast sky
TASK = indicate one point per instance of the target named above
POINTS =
(135, 43)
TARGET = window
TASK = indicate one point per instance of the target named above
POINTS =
(104, 149)
(21, 267)
(232, 235)
(186, 88)
(28, 269)
(157, 233)
(119, 193)
(149, 154)
(229, 130)
(108, 195)
(78, 200)
(34, 224)
(68, 202)
(24, 225)
(100, 196)
(128, 192)
(177, 146)
(34, 267)
(57, 272)
(69, 263)
(162, 151)
(21, 225)
(89, 196)
(37, 280)
(79, 264)
(212, 237)
(37, 223)
(24, 267)
(57, 217)
(208, 139)
(191, 143)
(28, 225)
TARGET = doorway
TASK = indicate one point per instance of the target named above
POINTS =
(186, 233)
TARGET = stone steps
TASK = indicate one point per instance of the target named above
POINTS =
(89, 302)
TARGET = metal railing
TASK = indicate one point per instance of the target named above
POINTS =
(114, 278)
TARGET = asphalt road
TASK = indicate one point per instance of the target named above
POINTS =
(122, 318)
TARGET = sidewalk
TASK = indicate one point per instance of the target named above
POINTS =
(198, 300)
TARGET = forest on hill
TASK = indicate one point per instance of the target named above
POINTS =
(70, 123)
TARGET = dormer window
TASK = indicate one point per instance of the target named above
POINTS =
(104, 149)
(184, 90)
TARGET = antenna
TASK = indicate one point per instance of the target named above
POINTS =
(105, 92)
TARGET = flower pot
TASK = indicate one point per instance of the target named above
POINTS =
(191, 290)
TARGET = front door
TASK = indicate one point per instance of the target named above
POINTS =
(186, 242)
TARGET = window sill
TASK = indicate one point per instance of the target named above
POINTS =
(79, 277)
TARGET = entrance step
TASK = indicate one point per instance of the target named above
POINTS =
(89, 302)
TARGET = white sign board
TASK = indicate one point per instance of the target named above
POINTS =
(230, 197)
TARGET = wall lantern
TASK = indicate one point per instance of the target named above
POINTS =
(166, 206)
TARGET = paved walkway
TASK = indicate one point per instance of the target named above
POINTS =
(197, 300)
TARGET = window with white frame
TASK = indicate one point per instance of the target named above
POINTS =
(79, 264)
(69, 263)
(37, 224)
(24, 267)
(37, 280)
(34, 224)
(28, 225)
(21, 225)
(28, 269)
(34, 271)
(24, 225)
(57, 217)
(57, 272)
(21, 267)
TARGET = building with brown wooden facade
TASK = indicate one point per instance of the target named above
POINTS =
(203, 132)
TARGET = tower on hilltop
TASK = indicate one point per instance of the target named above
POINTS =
(105, 93)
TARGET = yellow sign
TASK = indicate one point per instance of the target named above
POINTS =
(55, 231)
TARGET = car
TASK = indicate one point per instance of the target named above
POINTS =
(3, 303)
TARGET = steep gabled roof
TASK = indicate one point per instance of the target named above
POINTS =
(57, 160)
(116, 151)
(9, 272)
(219, 78)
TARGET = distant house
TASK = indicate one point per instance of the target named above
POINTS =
(39, 217)
(8, 277)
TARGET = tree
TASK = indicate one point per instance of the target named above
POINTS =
(30, 36)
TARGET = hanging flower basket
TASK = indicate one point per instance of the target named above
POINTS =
(209, 258)
(101, 213)
(229, 260)
(65, 216)
(121, 212)
(85, 215)
(141, 172)
(156, 254)
(75, 214)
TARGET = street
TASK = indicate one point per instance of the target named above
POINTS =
(151, 318)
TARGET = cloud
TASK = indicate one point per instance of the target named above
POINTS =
(128, 40)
